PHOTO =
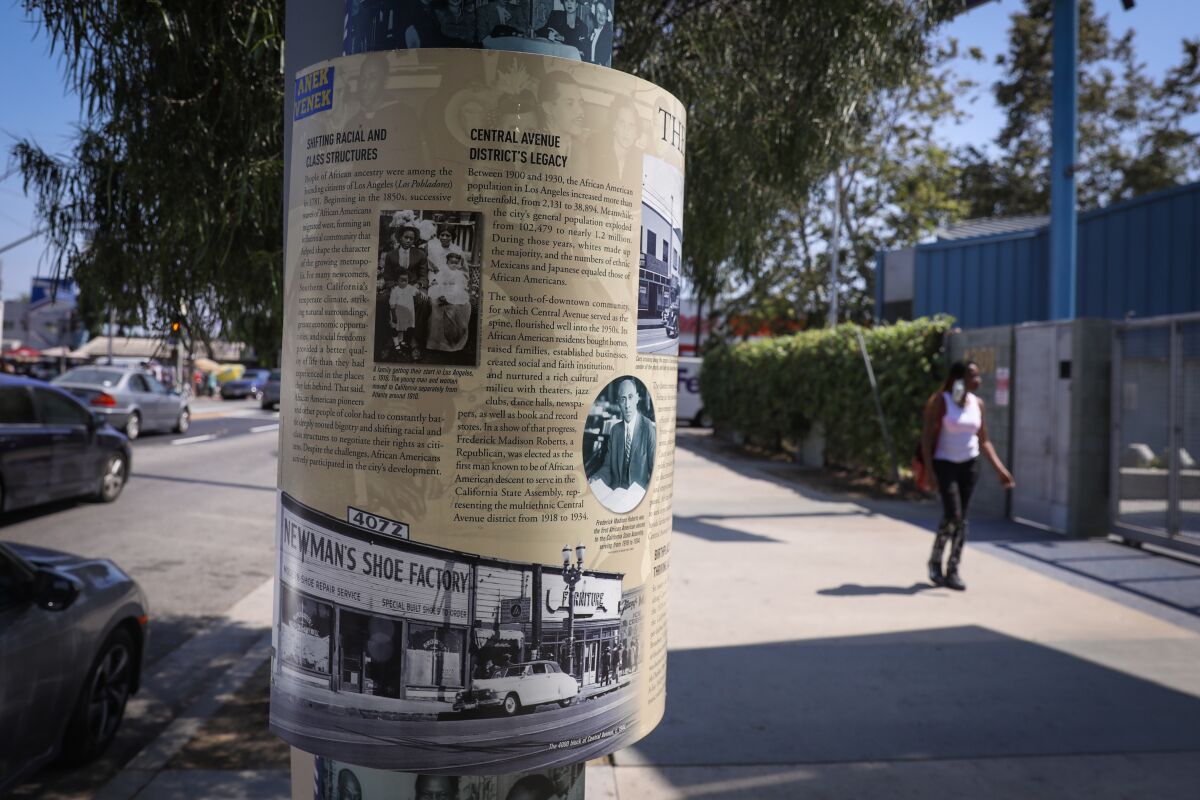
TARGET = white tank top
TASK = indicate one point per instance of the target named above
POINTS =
(959, 437)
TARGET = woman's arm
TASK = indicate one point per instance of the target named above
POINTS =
(985, 444)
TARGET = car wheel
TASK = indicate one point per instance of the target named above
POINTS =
(566, 703)
(184, 422)
(133, 426)
(512, 705)
(101, 703)
(113, 479)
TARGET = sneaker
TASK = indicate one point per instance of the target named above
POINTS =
(952, 581)
(935, 573)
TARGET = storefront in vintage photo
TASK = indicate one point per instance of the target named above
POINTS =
(370, 622)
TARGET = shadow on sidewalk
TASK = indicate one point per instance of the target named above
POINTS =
(948, 693)
(1118, 571)
(855, 590)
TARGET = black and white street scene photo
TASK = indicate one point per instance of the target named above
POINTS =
(618, 444)
(579, 30)
(659, 262)
(382, 641)
(428, 287)
(334, 780)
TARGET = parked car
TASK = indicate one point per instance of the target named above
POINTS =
(133, 401)
(52, 447)
(270, 390)
(72, 639)
(249, 385)
(520, 686)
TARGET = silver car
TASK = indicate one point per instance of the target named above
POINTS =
(132, 400)
(72, 635)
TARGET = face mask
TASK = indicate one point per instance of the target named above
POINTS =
(958, 391)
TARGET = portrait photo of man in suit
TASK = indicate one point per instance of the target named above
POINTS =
(619, 444)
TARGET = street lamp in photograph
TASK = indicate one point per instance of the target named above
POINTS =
(572, 576)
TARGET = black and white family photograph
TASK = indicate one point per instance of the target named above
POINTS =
(659, 265)
(581, 30)
(618, 444)
(388, 640)
(335, 780)
(428, 288)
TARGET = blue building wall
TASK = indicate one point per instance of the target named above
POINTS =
(1140, 257)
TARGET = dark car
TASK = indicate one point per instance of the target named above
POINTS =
(72, 635)
(270, 390)
(250, 384)
(52, 447)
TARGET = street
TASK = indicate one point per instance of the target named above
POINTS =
(654, 341)
(194, 528)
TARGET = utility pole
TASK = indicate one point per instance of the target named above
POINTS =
(1062, 160)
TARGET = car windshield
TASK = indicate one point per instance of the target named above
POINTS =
(91, 375)
(514, 672)
(255, 375)
(276, 374)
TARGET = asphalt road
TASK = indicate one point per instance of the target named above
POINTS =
(654, 341)
(194, 527)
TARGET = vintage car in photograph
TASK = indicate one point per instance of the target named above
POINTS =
(72, 638)
(133, 400)
(520, 686)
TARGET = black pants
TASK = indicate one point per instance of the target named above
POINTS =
(956, 482)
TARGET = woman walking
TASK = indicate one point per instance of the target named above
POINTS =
(954, 434)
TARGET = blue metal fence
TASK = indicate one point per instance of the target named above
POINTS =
(1138, 258)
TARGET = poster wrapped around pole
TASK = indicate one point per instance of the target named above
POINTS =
(478, 412)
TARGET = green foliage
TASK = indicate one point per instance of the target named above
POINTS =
(776, 92)
(772, 390)
(1135, 135)
(172, 194)
(897, 185)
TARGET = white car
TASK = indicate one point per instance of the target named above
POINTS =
(518, 686)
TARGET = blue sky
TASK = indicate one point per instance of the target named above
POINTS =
(34, 104)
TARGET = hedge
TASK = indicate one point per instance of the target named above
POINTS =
(772, 390)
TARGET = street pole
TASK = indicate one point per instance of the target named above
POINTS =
(835, 250)
(1062, 160)
(571, 576)
(112, 326)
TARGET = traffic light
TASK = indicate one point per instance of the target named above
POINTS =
(173, 332)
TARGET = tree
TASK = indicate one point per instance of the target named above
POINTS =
(897, 184)
(1132, 134)
(776, 93)
(171, 196)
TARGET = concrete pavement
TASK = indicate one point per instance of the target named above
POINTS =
(809, 658)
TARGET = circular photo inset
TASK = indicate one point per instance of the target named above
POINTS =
(618, 444)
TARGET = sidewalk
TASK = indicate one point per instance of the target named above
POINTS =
(809, 658)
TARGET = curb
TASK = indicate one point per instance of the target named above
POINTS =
(154, 757)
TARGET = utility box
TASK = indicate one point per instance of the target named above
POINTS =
(1060, 426)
